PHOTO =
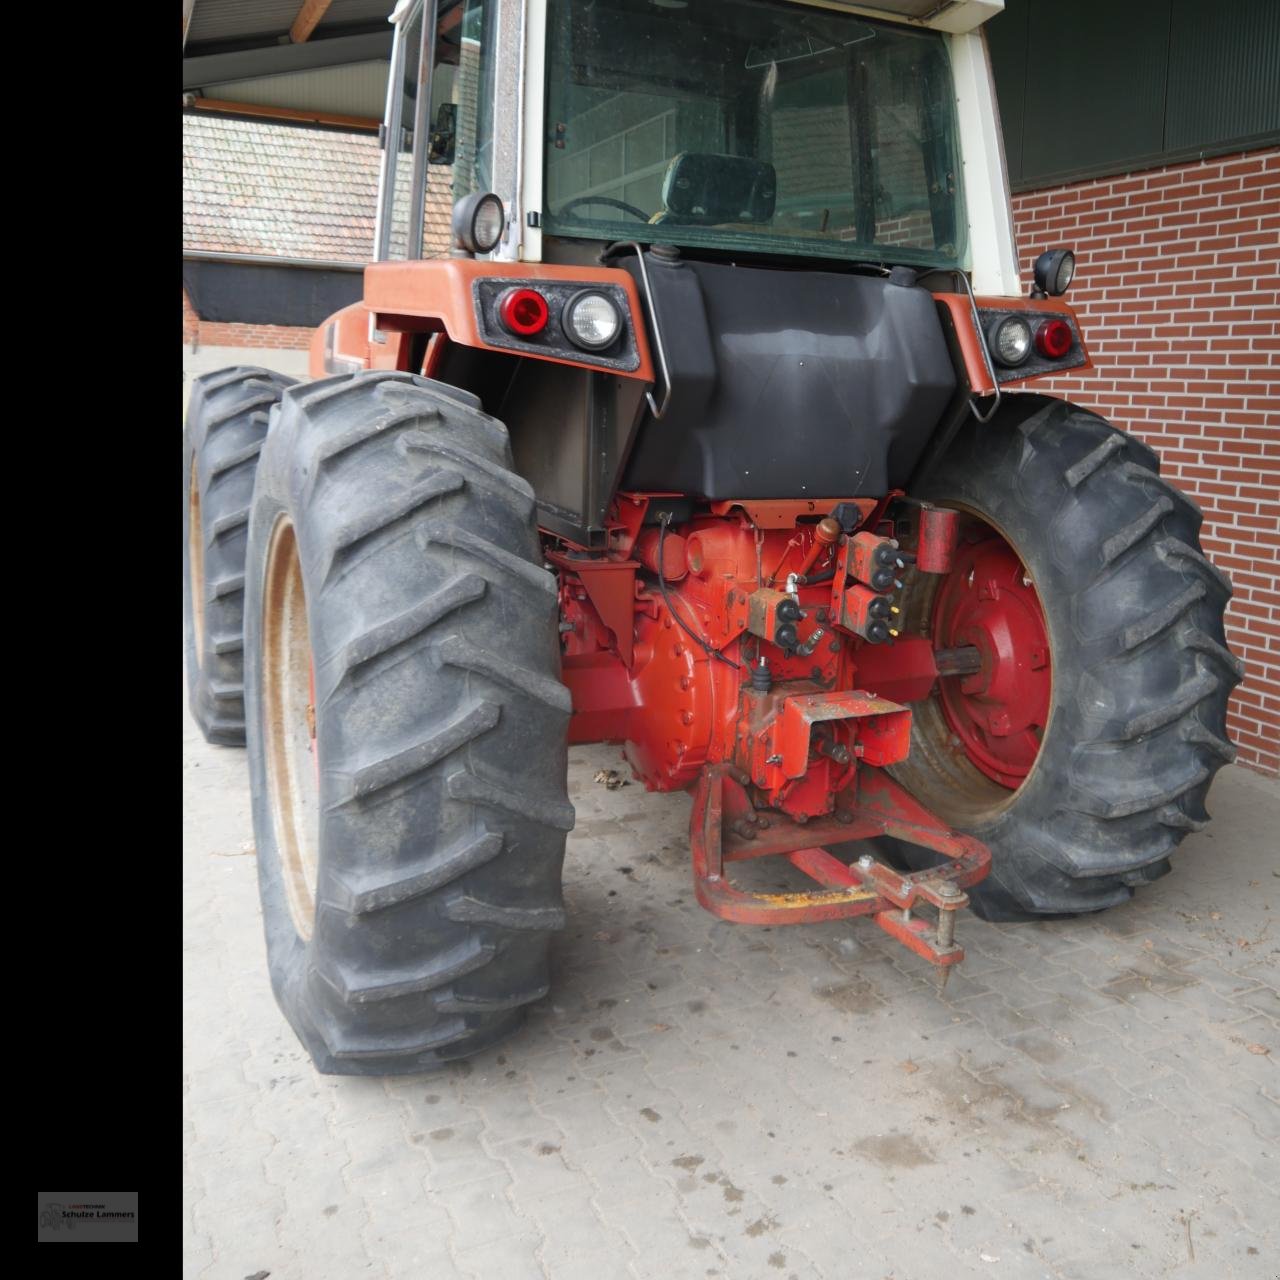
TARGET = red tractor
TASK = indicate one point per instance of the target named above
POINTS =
(711, 439)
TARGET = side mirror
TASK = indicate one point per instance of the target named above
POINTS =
(444, 135)
(706, 188)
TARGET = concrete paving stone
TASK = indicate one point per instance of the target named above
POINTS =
(379, 1145)
(629, 1191)
(759, 1249)
(222, 1079)
(430, 1104)
(257, 1237)
(396, 1195)
(1262, 999)
(480, 1212)
(584, 1120)
(983, 1243)
(457, 1156)
(507, 1114)
(512, 1258)
(1263, 1117)
(999, 1020)
(226, 1123)
(196, 1262)
(1229, 983)
(365, 1103)
(411, 1251)
(839, 1250)
(673, 1251)
(610, 1264)
(570, 1227)
(538, 1165)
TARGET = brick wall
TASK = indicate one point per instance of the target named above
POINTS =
(205, 333)
(1176, 287)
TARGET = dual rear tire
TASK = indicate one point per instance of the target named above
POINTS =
(222, 437)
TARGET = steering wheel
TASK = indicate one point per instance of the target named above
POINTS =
(570, 205)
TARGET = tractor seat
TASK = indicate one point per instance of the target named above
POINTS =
(706, 189)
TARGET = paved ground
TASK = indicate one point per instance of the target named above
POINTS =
(1092, 1098)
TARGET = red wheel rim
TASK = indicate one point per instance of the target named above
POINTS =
(998, 714)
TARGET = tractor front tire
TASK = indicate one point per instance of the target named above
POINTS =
(407, 725)
(225, 427)
(1060, 507)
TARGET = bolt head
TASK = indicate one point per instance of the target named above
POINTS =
(866, 862)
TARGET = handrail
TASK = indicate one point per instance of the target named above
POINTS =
(654, 408)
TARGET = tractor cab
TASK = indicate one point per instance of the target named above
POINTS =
(761, 130)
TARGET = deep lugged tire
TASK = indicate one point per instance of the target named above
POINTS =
(440, 725)
(226, 424)
(1140, 669)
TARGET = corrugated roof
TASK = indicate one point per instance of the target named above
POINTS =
(213, 20)
(282, 191)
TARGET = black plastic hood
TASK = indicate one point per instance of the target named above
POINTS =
(789, 383)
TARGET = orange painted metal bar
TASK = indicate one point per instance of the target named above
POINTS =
(975, 366)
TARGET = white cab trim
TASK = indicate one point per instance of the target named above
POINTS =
(532, 153)
(992, 250)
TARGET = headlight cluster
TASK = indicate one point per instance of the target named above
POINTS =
(590, 319)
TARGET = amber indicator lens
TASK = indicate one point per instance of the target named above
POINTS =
(1053, 339)
(523, 312)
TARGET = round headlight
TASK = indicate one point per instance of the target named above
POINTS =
(1010, 340)
(1054, 271)
(477, 222)
(591, 320)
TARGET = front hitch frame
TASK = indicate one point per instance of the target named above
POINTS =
(726, 827)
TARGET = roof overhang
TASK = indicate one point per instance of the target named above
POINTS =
(954, 16)
(298, 53)
(202, 71)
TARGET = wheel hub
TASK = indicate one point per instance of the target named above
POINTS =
(997, 715)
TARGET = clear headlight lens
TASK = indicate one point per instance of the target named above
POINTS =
(486, 225)
(1011, 340)
(592, 321)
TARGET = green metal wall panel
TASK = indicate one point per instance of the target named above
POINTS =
(1095, 84)
(1224, 72)
(1093, 87)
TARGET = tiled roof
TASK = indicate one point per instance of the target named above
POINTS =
(284, 191)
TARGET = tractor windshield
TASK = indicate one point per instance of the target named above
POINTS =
(751, 125)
